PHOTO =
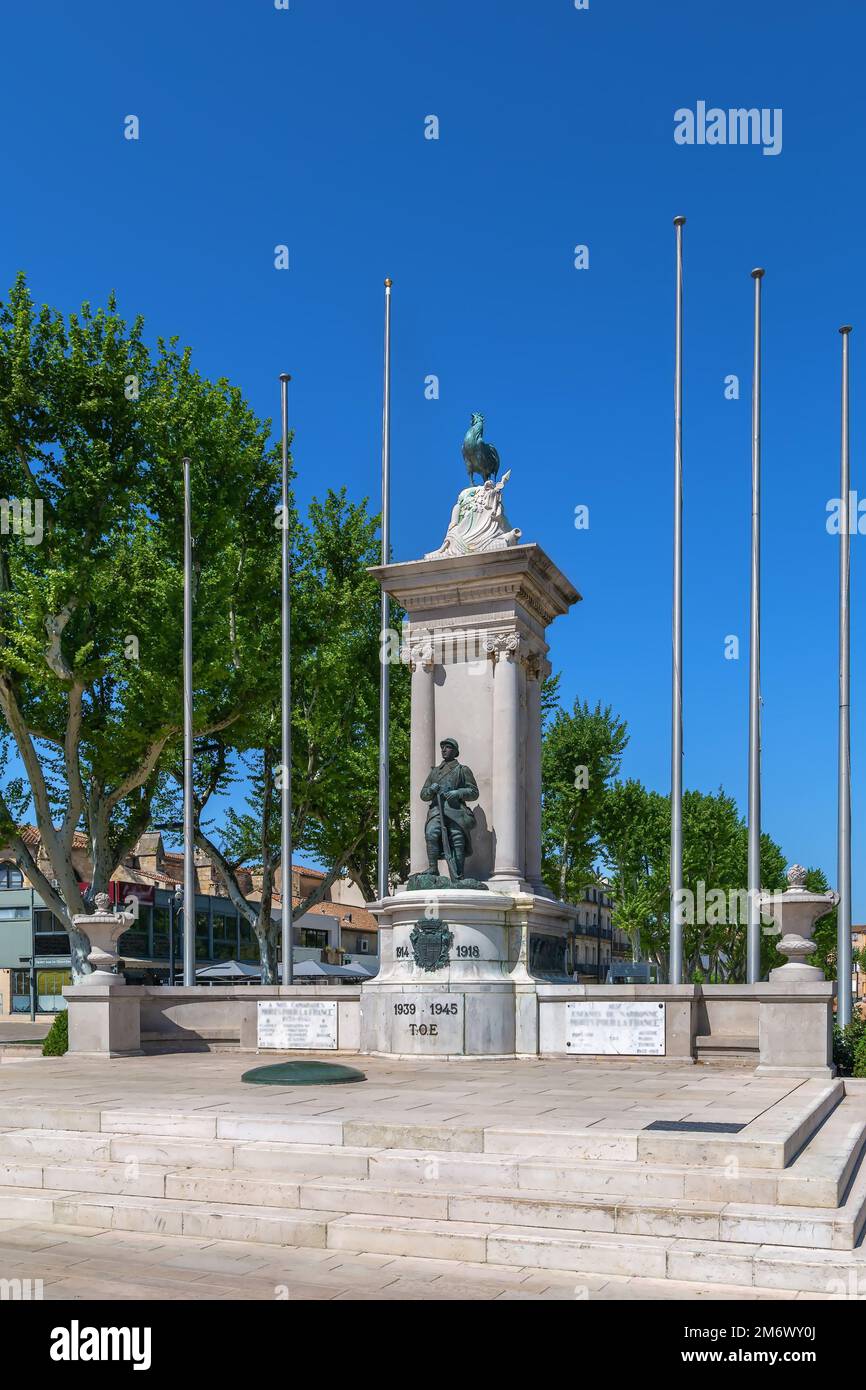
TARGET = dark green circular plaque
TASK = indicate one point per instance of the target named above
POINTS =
(302, 1073)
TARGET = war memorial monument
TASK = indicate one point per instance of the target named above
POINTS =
(506, 1124)
(473, 945)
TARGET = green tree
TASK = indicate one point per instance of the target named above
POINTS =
(335, 733)
(634, 827)
(93, 427)
(581, 753)
(824, 935)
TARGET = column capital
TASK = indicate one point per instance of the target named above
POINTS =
(538, 668)
(504, 644)
(418, 653)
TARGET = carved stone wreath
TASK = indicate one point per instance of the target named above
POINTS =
(431, 941)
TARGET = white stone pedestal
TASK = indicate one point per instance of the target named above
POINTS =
(104, 1020)
(481, 1003)
(795, 1026)
(475, 639)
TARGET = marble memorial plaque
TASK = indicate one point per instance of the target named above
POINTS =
(296, 1024)
(426, 1022)
(615, 1028)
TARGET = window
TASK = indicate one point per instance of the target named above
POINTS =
(202, 936)
(133, 943)
(49, 988)
(249, 944)
(364, 945)
(225, 937)
(160, 933)
(12, 914)
(10, 876)
(137, 941)
(314, 938)
(51, 939)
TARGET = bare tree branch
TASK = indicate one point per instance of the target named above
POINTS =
(71, 742)
(141, 773)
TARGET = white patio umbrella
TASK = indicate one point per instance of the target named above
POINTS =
(236, 970)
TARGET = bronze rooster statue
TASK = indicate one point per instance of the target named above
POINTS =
(479, 456)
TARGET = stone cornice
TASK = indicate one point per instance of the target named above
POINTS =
(522, 574)
(448, 643)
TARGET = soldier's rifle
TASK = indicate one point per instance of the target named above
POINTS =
(446, 842)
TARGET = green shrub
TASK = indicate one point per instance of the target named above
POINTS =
(846, 1042)
(57, 1039)
(860, 1058)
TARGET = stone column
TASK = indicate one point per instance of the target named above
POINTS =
(534, 675)
(507, 800)
(422, 754)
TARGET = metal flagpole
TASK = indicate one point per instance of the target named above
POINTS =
(384, 670)
(753, 935)
(285, 705)
(843, 916)
(188, 832)
(675, 974)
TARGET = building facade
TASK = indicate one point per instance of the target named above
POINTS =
(858, 976)
(338, 930)
(596, 941)
(147, 883)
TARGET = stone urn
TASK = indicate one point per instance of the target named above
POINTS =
(104, 928)
(795, 913)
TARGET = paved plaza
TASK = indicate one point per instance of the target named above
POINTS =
(167, 1177)
(76, 1262)
(456, 1100)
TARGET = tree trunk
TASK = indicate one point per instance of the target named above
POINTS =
(79, 949)
(267, 951)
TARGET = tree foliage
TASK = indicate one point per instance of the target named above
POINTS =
(93, 427)
(824, 935)
(621, 830)
(581, 752)
(335, 731)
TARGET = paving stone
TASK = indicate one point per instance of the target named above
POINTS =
(491, 1179)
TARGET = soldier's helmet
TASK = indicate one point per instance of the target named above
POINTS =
(450, 743)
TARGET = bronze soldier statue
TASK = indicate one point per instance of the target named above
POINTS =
(448, 787)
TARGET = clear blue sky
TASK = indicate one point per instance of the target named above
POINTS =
(306, 127)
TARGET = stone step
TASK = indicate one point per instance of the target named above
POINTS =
(822, 1228)
(727, 1042)
(576, 1177)
(96, 1167)
(273, 1225)
(822, 1172)
(60, 1146)
(323, 1160)
(406, 1235)
(713, 1262)
(770, 1141)
(30, 1203)
(227, 1156)
(767, 1262)
(57, 1144)
(564, 1209)
(807, 1182)
(727, 1051)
